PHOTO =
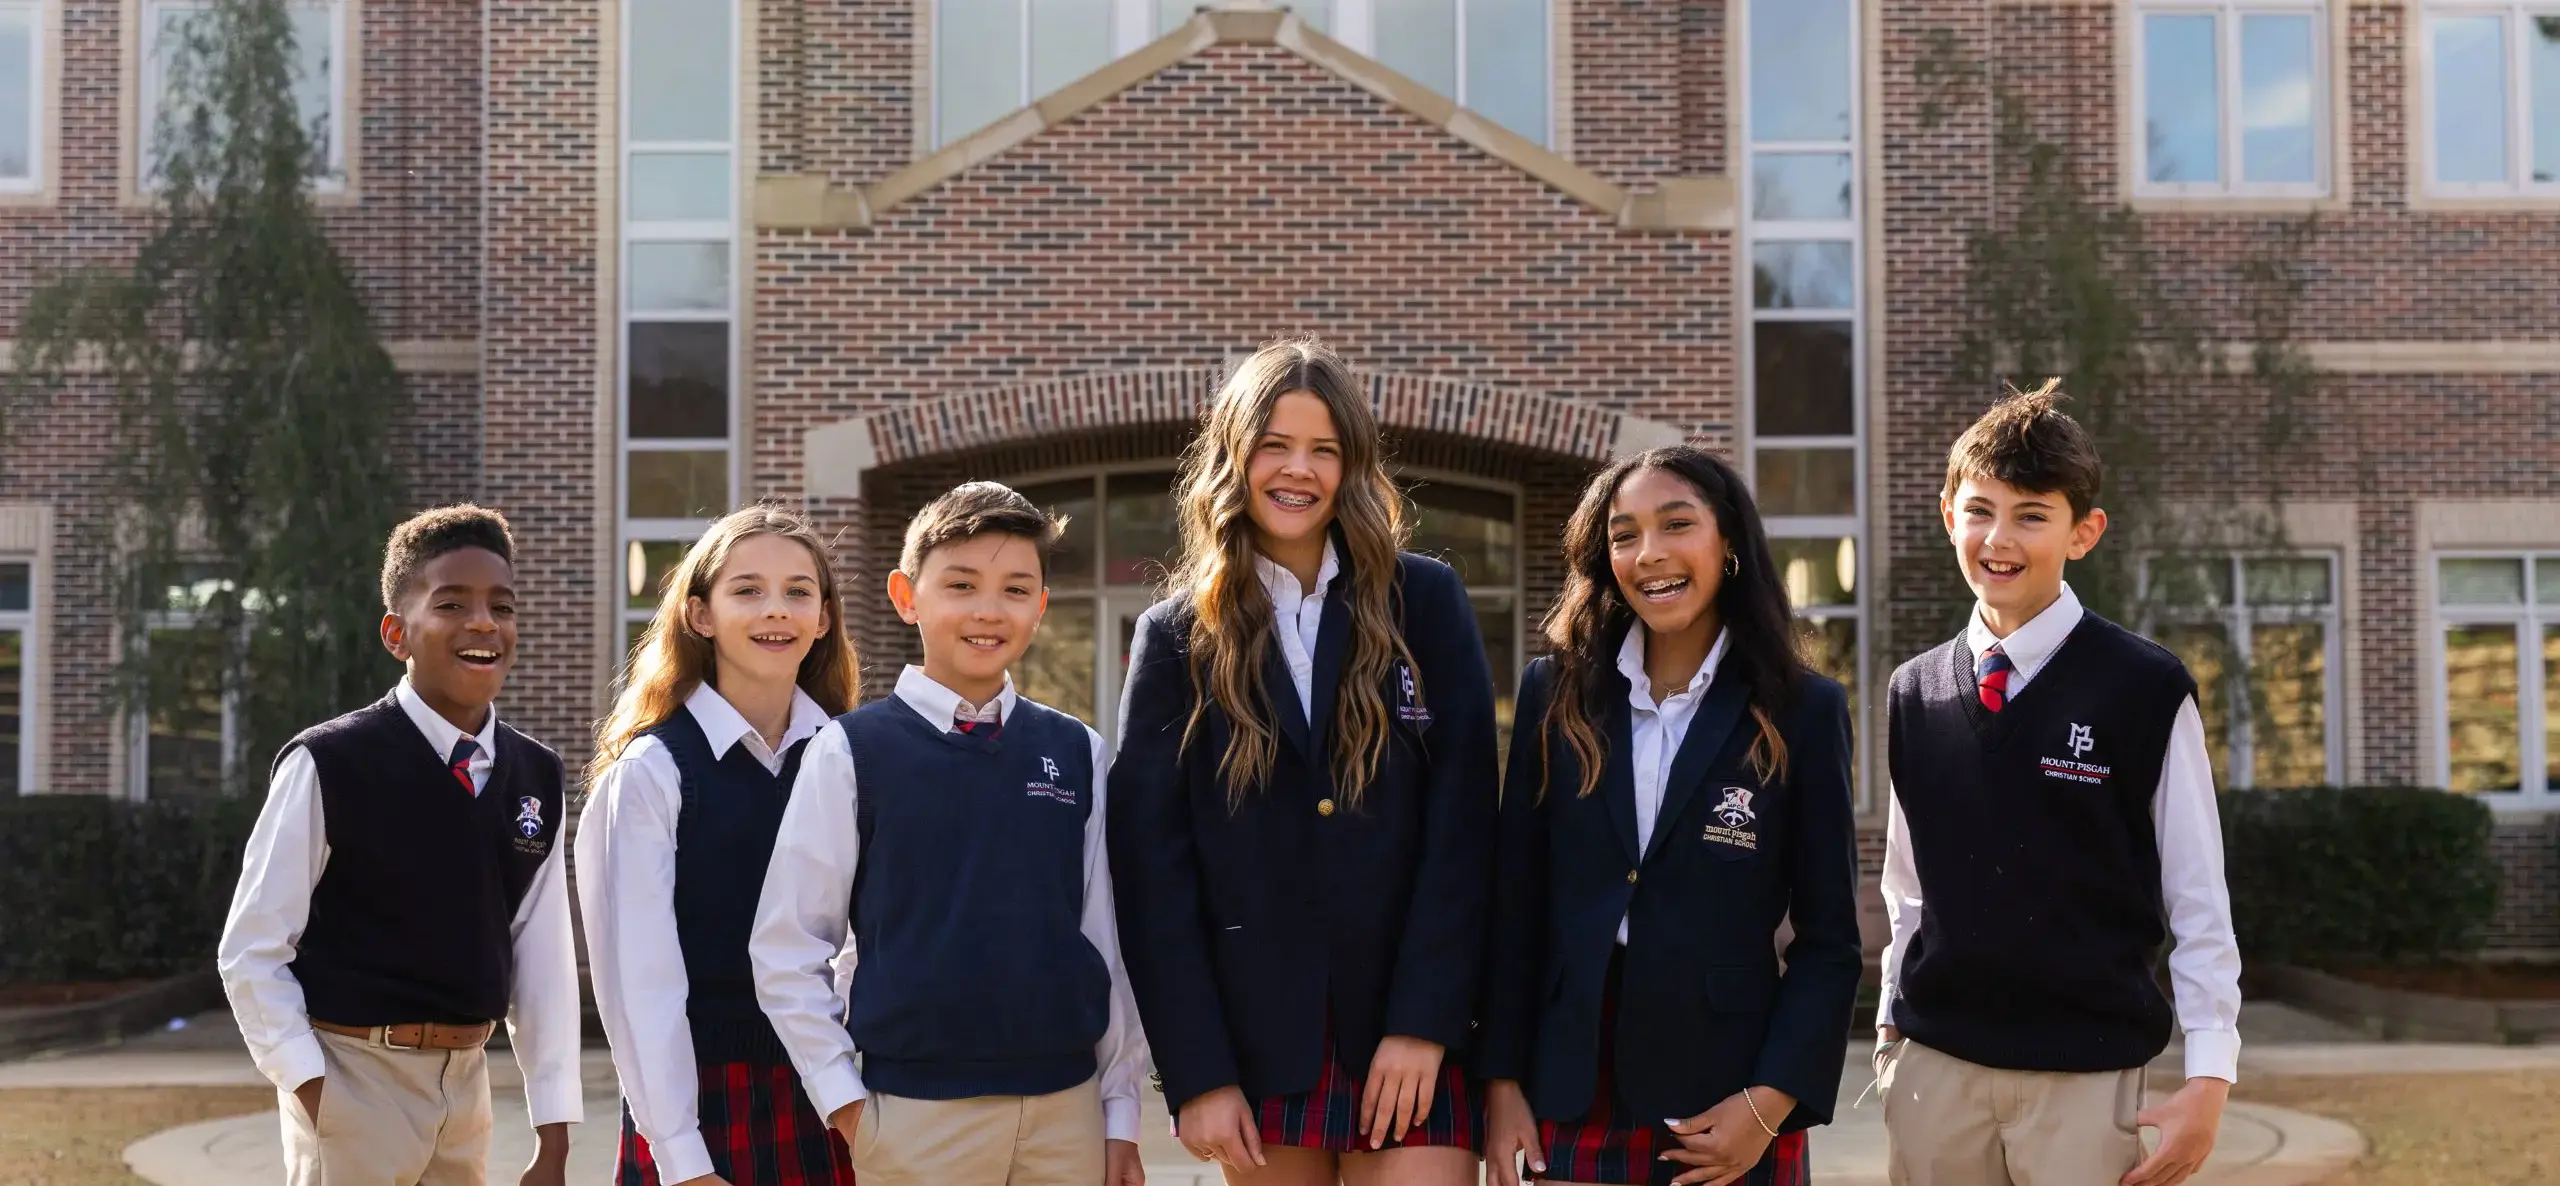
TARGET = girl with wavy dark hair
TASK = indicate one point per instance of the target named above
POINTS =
(1301, 811)
(1679, 784)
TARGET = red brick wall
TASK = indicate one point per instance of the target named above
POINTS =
(541, 415)
(416, 146)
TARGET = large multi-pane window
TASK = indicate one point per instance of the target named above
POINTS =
(2260, 636)
(184, 735)
(2498, 630)
(320, 37)
(22, 95)
(2232, 97)
(992, 57)
(2490, 78)
(1805, 347)
(1120, 537)
(17, 670)
(679, 301)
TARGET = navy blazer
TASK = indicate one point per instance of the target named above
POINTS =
(1703, 1009)
(1242, 930)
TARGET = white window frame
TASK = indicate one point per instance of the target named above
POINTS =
(39, 112)
(1111, 600)
(1355, 25)
(149, 87)
(2238, 619)
(2519, 182)
(138, 723)
(2230, 137)
(1852, 231)
(635, 531)
(1132, 26)
(30, 666)
(2529, 620)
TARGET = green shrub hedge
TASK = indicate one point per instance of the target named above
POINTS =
(98, 889)
(2327, 875)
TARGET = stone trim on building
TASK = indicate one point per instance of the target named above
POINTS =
(835, 456)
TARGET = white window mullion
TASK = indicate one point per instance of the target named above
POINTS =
(2519, 112)
(1356, 25)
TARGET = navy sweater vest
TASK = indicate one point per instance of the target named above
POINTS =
(731, 811)
(413, 919)
(2041, 920)
(975, 977)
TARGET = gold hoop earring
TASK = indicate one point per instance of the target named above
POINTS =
(1732, 565)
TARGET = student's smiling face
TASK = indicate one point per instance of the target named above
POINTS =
(456, 630)
(2013, 544)
(1294, 473)
(764, 611)
(1666, 551)
(976, 603)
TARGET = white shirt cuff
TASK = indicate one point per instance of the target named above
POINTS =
(683, 1158)
(2213, 1054)
(835, 1087)
(556, 1100)
(295, 1061)
(1119, 1120)
(1884, 1009)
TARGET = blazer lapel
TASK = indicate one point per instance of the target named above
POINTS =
(1333, 647)
(1284, 696)
(1618, 771)
(1708, 731)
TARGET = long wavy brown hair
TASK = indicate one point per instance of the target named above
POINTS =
(1231, 620)
(1592, 613)
(670, 660)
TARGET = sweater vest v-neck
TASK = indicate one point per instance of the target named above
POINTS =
(730, 812)
(413, 919)
(2041, 924)
(974, 977)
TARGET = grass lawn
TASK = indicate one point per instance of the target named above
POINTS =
(77, 1138)
(2435, 1130)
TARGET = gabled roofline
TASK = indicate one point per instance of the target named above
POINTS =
(805, 202)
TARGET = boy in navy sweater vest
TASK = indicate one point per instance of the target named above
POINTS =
(996, 1038)
(404, 890)
(2052, 825)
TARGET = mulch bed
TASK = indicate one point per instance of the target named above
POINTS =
(2480, 981)
(44, 996)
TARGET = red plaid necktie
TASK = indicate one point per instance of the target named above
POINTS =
(1991, 677)
(974, 727)
(461, 765)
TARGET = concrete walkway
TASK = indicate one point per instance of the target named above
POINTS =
(2260, 1146)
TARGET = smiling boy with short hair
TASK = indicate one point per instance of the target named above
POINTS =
(992, 1017)
(404, 889)
(2052, 808)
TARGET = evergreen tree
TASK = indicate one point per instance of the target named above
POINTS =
(255, 405)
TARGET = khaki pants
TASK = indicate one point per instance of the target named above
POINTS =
(391, 1118)
(997, 1140)
(1949, 1122)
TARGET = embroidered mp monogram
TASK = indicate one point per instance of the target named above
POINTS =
(2080, 740)
(1736, 823)
(1047, 787)
(1409, 698)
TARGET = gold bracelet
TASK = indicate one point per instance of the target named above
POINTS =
(1754, 1105)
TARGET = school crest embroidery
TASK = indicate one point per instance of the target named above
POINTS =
(1737, 825)
(529, 839)
(1409, 698)
(2077, 768)
(1047, 787)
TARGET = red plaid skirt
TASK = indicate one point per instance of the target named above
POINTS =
(1606, 1146)
(760, 1129)
(1328, 1116)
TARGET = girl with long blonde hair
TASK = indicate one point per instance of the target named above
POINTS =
(746, 659)
(1301, 811)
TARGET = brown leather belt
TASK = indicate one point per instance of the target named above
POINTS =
(422, 1035)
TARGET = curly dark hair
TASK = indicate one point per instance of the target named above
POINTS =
(430, 534)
